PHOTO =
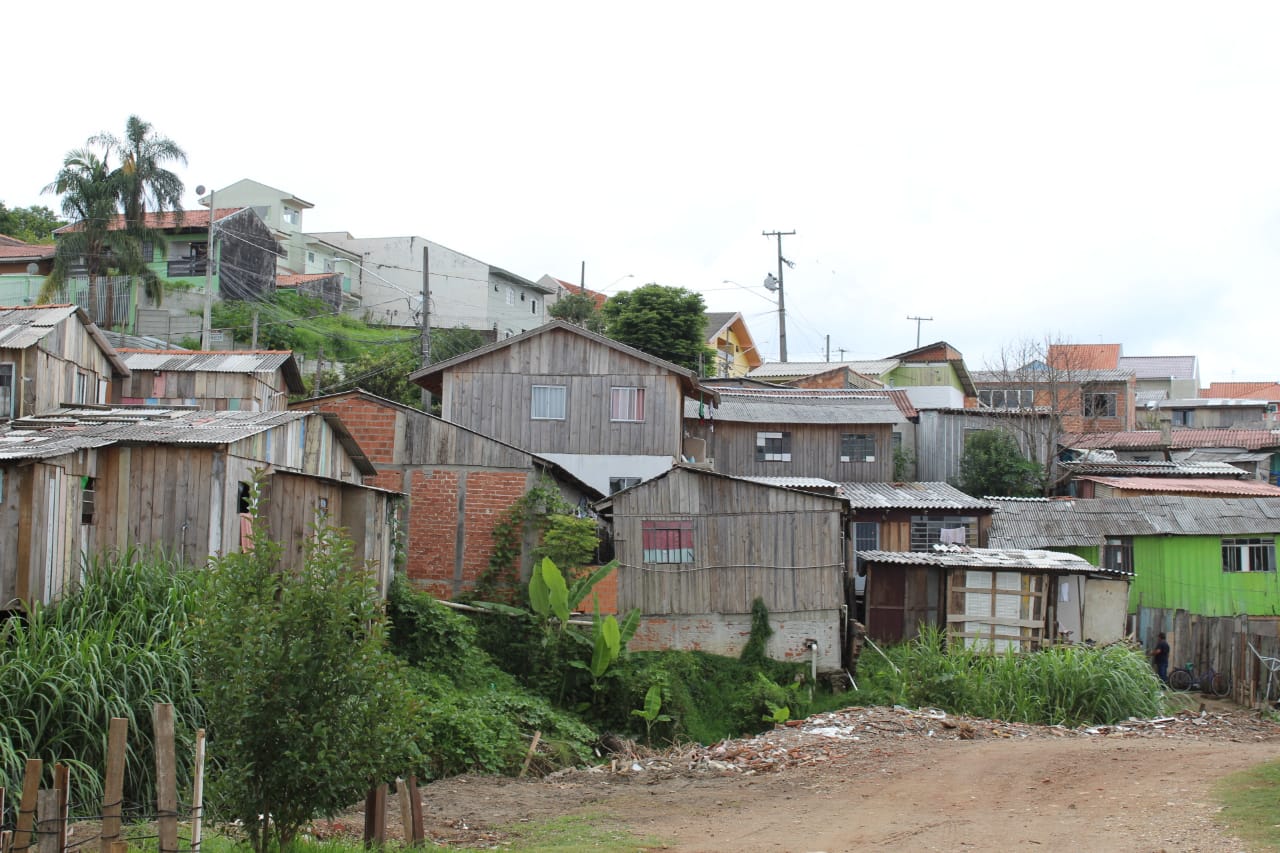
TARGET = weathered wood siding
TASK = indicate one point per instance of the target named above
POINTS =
(47, 372)
(940, 439)
(161, 496)
(749, 541)
(492, 394)
(41, 550)
(254, 392)
(895, 524)
(815, 450)
(423, 440)
(1222, 642)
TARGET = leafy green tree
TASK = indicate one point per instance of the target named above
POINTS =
(666, 322)
(993, 464)
(579, 309)
(33, 224)
(306, 705)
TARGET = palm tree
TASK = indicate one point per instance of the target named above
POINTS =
(145, 185)
(89, 194)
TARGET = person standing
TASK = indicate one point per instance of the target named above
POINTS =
(1160, 657)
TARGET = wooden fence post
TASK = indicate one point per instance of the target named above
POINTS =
(47, 821)
(27, 805)
(406, 813)
(166, 778)
(62, 784)
(415, 806)
(113, 792)
(197, 794)
(375, 817)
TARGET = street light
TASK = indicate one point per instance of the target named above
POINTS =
(205, 332)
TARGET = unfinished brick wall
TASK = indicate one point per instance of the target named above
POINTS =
(373, 426)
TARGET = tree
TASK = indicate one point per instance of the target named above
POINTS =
(1036, 392)
(579, 309)
(33, 224)
(305, 702)
(666, 322)
(993, 464)
(88, 198)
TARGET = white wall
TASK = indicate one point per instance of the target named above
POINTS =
(597, 470)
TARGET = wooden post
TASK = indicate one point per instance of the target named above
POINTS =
(166, 778)
(415, 804)
(375, 817)
(47, 821)
(406, 813)
(113, 792)
(62, 784)
(4, 836)
(537, 736)
(197, 792)
(119, 847)
(27, 806)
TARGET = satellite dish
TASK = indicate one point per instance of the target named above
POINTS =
(199, 189)
(770, 283)
(33, 268)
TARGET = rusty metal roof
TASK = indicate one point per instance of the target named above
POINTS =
(1152, 468)
(1204, 485)
(1059, 523)
(1179, 439)
(910, 496)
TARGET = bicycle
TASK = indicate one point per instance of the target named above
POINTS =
(1208, 681)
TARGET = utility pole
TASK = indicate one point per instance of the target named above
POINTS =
(426, 322)
(782, 302)
(828, 348)
(205, 332)
(919, 320)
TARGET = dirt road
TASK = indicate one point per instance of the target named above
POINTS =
(925, 785)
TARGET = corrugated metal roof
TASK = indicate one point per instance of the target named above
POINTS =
(211, 362)
(1153, 468)
(1060, 523)
(909, 496)
(802, 405)
(995, 559)
(1159, 366)
(789, 369)
(1181, 439)
(1206, 485)
(796, 482)
(1030, 377)
(25, 326)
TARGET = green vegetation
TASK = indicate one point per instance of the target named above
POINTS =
(666, 322)
(579, 309)
(575, 834)
(33, 224)
(1248, 802)
(993, 464)
(1060, 685)
(111, 649)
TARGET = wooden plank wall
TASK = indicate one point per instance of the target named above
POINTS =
(493, 395)
(1223, 643)
(54, 362)
(749, 541)
(423, 440)
(214, 390)
(815, 451)
(156, 496)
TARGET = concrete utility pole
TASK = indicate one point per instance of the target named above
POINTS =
(205, 332)
(782, 302)
(426, 322)
(919, 320)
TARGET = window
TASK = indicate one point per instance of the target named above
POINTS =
(290, 216)
(1117, 554)
(82, 388)
(667, 541)
(951, 529)
(773, 447)
(548, 402)
(626, 404)
(1007, 398)
(311, 257)
(511, 296)
(897, 442)
(617, 484)
(1249, 555)
(857, 447)
(6, 391)
(1098, 405)
(1183, 417)
(86, 500)
(533, 306)
(866, 536)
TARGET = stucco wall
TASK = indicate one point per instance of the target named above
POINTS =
(726, 634)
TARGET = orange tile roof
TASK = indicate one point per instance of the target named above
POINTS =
(295, 280)
(598, 298)
(1084, 356)
(17, 250)
(1242, 390)
(1200, 485)
(162, 221)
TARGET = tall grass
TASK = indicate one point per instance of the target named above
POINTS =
(111, 649)
(1060, 685)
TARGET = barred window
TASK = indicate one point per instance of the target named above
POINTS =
(1257, 554)
(773, 447)
(857, 447)
(927, 532)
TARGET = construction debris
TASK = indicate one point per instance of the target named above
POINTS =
(841, 734)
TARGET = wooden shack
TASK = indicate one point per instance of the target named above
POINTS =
(696, 548)
(990, 598)
(82, 482)
(249, 380)
(50, 355)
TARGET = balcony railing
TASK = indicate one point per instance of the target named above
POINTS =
(185, 267)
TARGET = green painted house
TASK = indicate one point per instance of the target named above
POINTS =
(1206, 556)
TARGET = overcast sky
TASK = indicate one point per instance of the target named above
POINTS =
(1102, 172)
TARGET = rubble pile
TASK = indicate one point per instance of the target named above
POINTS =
(853, 731)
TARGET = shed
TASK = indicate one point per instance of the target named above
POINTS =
(695, 548)
(993, 598)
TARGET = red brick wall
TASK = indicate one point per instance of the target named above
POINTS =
(372, 424)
